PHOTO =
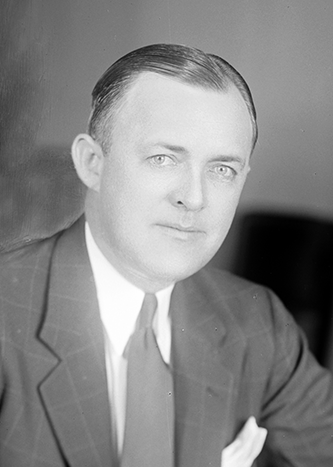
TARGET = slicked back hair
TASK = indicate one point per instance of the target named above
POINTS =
(185, 64)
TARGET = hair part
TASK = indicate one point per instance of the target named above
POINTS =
(185, 64)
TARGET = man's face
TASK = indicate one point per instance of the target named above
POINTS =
(171, 181)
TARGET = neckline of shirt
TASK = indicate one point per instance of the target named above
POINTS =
(120, 302)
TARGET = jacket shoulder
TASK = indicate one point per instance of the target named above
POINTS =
(30, 253)
(26, 257)
(242, 304)
(24, 273)
(226, 286)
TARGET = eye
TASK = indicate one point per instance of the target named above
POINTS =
(225, 172)
(161, 160)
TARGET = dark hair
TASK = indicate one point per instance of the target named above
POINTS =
(180, 62)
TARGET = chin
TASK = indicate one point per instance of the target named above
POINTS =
(178, 270)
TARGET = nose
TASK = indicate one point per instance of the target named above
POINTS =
(190, 191)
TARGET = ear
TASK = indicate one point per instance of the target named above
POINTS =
(88, 159)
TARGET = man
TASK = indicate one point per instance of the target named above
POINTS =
(165, 159)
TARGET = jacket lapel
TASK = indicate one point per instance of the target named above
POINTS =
(204, 381)
(75, 391)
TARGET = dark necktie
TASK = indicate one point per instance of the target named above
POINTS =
(149, 425)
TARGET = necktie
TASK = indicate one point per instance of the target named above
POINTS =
(148, 440)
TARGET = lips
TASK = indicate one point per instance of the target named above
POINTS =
(180, 229)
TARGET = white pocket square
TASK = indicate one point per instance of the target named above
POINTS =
(247, 446)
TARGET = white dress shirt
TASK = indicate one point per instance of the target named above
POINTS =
(120, 303)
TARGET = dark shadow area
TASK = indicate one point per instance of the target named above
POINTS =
(293, 255)
(39, 197)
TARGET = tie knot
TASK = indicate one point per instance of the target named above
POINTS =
(147, 312)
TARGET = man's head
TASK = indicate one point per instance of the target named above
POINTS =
(165, 161)
(188, 65)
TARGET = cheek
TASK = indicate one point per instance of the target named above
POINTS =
(220, 215)
(222, 206)
(116, 188)
(125, 206)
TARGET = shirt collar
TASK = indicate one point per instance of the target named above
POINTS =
(120, 301)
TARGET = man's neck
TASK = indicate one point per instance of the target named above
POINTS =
(140, 281)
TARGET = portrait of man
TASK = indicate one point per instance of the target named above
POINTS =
(119, 345)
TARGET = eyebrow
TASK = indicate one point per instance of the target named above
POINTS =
(219, 158)
(174, 148)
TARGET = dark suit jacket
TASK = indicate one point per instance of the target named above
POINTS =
(235, 353)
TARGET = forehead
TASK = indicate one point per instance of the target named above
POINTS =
(155, 103)
(148, 87)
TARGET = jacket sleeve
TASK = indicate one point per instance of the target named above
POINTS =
(298, 404)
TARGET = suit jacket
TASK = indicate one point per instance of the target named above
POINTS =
(235, 353)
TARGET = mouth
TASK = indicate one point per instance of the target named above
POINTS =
(181, 232)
